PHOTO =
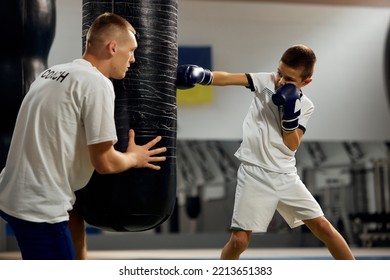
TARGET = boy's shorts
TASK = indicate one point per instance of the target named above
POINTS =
(260, 192)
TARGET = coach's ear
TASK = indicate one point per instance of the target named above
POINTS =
(111, 47)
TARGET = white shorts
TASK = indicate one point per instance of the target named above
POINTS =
(260, 192)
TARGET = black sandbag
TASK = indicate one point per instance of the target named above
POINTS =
(139, 199)
(28, 30)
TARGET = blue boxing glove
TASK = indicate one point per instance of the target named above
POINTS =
(289, 98)
(188, 75)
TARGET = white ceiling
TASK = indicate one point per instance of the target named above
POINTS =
(375, 3)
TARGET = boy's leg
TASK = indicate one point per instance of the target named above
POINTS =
(42, 241)
(238, 242)
(77, 228)
(336, 244)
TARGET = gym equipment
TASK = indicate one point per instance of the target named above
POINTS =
(139, 199)
(289, 98)
(387, 64)
(189, 75)
(28, 28)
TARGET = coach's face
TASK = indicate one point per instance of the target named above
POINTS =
(124, 56)
(289, 75)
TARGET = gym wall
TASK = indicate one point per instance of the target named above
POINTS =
(348, 87)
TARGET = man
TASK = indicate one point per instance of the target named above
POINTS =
(64, 131)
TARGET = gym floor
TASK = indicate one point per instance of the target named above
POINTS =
(213, 254)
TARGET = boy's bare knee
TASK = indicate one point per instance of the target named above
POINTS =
(322, 228)
(239, 242)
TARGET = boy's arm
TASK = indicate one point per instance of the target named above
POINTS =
(189, 75)
(292, 139)
(289, 98)
(229, 79)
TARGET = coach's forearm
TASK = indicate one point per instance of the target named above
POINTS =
(116, 162)
(107, 160)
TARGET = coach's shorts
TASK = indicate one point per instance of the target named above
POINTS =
(260, 192)
(42, 241)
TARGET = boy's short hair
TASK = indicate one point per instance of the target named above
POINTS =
(300, 56)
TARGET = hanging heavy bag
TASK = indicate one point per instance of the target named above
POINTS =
(139, 199)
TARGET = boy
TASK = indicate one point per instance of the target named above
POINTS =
(267, 178)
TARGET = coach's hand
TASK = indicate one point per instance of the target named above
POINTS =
(144, 155)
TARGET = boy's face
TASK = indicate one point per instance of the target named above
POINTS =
(289, 75)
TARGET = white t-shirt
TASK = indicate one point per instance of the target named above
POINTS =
(262, 143)
(67, 108)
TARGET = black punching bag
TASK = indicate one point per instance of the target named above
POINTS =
(27, 28)
(387, 64)
(139, 199)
